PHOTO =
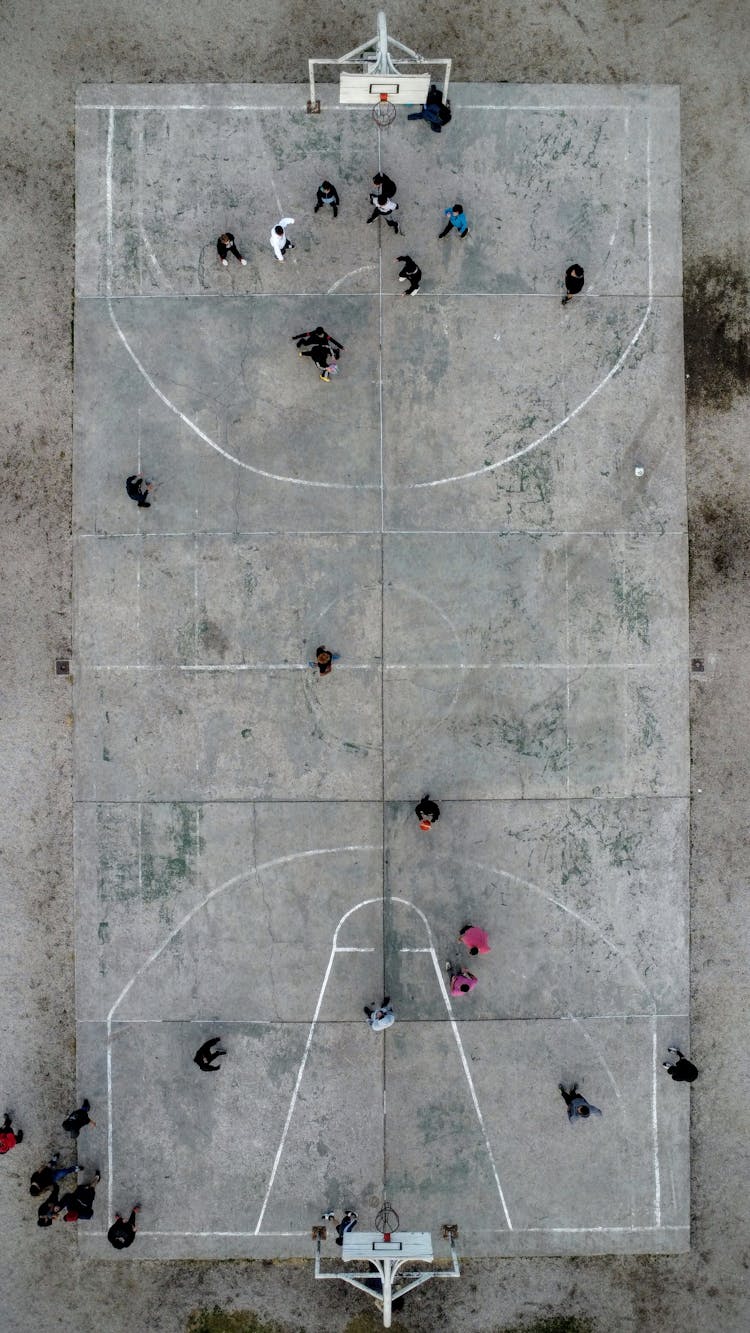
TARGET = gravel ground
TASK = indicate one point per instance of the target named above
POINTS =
(51, 48)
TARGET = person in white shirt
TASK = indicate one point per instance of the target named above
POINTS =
(382, 1017)
(382, 208)
(280, 242)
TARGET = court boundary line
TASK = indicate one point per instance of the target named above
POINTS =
(469, 475)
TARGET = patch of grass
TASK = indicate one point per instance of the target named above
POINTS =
(229, 1321)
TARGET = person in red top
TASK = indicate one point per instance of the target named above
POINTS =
(475, 939)
(9, 1136)
(461, 980)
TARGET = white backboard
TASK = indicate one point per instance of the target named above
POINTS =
(365, 89)
(402, 1245)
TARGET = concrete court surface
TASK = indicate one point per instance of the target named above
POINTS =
(45, 1282)
(459, 514)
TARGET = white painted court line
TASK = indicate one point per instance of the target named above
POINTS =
(367, 902)
(619, 363)
(364, 486)
(334, 106)
(221, 888)
(166, 667)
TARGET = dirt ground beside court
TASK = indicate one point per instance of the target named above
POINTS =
(49, 51)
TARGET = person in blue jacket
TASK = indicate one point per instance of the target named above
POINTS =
(457, 220)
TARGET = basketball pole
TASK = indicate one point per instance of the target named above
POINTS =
(375, 58)
(387, 1268)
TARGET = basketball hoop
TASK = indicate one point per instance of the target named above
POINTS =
(387, 1220)
(383, 112)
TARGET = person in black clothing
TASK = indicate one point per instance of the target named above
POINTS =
(317, 336)
(137, 488)
(80, 1202)
(573, 282)
(427, 812)
(681, 1069)
(49, 1175)
(347, 1223)
(204, 1056)
(410, 273)
(121, 1234)
(323, 357)
(435, 110)
(327, 194)
(75, 1122)
(386, 188)
(50, 1208)
(226, 246)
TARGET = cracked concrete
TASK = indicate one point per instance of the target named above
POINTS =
(45, 1283)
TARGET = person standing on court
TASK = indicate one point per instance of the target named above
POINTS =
(75, 1122)
(9, 1136)
(461, 981)
(280, 242)
(380, 1018)
(327, 195)
(427, 812)
(411, 273)
(121, 1234)
(681, 1070)
(226, 246)
(475, 939)
(386, 188)
(578, 1107)
(317, 337)
(384, 210)
(573, 282)
(50, 1174)
(456, 220)
(205, 1055)
(324, 660)
(138, 489)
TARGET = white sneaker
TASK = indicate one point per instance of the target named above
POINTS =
(402, 279)
(225, 262)
(243, 263)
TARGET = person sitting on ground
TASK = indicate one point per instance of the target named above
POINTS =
(49, 1175)
(79, 1204)
(9, 1136)
(50, 1208)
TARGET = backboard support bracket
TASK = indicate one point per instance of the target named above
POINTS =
(374, 58)
(387, 1253)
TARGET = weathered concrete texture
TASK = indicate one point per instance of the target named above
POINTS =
(48, 52)
(222, 918)
(545, 660)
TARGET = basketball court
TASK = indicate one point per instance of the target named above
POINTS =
(484, 513)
